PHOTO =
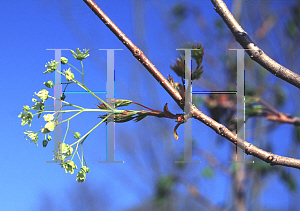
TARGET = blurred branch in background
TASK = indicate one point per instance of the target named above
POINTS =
(255, 53)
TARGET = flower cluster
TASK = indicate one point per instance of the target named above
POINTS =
(65, 151)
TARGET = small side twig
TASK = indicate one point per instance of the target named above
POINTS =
(274, 115)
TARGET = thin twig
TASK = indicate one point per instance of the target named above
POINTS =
(255, 52)
(147, 107)
(275, 115)
(248, 148)
(269, 106)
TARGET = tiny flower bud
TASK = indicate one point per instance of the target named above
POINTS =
(77, 135)
(63, 60)
(49, 84)
(45, 142)
(63, 96)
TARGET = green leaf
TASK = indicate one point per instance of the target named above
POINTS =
(198, 53)
(197, 73)
(208, 173)
(119, 102)
(254, 110)
(163, 188)
(289, 180)
(261, 167)
(179, 67)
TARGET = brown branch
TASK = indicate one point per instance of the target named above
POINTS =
(269, 106)
(248, 148)
(219, 128)
(255, 52)
(137, 53)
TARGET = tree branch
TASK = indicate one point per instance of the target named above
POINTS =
(137, 53)
(219, 128)
(248, 148)
(255, 52)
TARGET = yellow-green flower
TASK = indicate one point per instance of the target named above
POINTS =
(48, 117)
(69, 166)
(26, 108)
(42, 94)
(26, 118)
(65, 148)
(80, 55)
(69, 75)
(39, 105)
(32, 136)
(49, 126)
(51, 66)
(81, 174)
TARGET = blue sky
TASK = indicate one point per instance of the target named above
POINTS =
(31, 27)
